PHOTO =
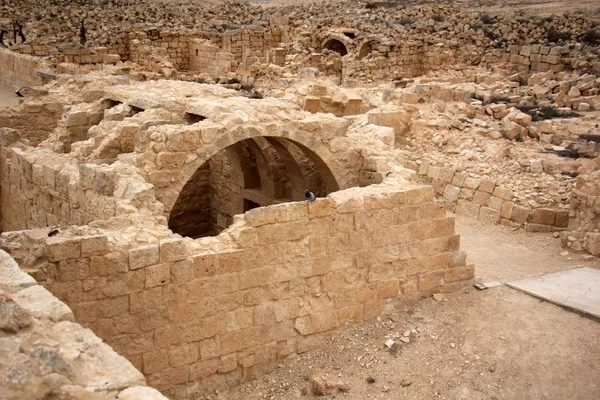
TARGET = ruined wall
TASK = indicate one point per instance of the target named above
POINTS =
(208, 58)
(96, 55)
(18, 69)
(538, 58)
(584, 226)
(234, 51)
(45, 354)
(34, 119)
(483, 199)
(48, 191)
(224, 310)
(388, 62)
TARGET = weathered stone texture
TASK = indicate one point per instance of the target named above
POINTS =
(186, 314)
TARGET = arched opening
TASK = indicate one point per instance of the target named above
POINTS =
(366, 48)
(337, 46)
(251, 173)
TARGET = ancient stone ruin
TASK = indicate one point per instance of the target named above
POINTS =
(152, 204)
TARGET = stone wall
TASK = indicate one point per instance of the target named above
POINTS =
(44, 353)
(388, 62)
(483, 199)
(538, 58)
(19, 70)
(584, 228)
(220, 311)
(208, 58)
(46, 191)
(97, 55)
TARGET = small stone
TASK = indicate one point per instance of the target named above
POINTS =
(389, 343)
(405, 339)
(438, 297)
(405, 383)
(386, 389)
(453, 345)
(564, 253)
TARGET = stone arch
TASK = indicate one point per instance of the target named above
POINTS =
(366, 48)
(339, 44)
(312, 143)
(302, 155)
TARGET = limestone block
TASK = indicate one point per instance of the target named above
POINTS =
(433, 172)
(60, 249)
(312, 104)
(531, 227)
(489, 215)
(183, 354)
(471, 183)
(204, 368)
(543, 216)
(460, 273)
(77, 118)
(316, 322)
(321, 208)
(503, 193)
(442, 227)
(431, 282)
(487, 186)
(390, 118)
(205, 265)
(510, 129)
(141, 392)
(108, 264)
(561, 219)
(158, 275)
(175, 160)
(522, 119)
(446, 174)
(481, 198)
(94, 245)
(451, 192)
(507, 209)
(286, 212)
(73, 269)
(591, 243)
(496, 203)
(40, 303)
(419, 195)
(520, 214)
(173, 249)
(143, 256)
(11, 274)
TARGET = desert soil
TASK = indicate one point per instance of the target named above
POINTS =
(493, 344)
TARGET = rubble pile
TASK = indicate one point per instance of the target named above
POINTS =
(105, 21)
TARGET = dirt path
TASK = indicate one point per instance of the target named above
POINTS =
(492, 344)
(501, 254)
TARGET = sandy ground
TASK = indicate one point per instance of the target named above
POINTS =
(7, 96)
(492, 344)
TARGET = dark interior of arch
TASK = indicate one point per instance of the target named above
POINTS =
(337, 46)
(251, 173)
